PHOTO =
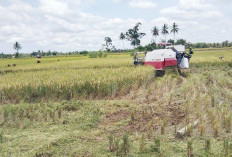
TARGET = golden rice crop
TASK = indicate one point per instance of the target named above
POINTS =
(72, 83)
(77, 62)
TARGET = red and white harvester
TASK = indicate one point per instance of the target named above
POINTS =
(171, 56)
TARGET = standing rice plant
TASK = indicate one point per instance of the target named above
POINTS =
(163, 126)
(21, 112)
(190, 149)
(201, 129)
(132, 114)
(45, 112)
(156, 147)
(150, 129)
(187, 111)
(31, 116)
(212, 101)
(5, 113)
(226, 147)
(1, 136)
(187, 120)
(215, 128)
(142, 144)
(223, 117)
(36, 116)
(175, 129)
(230, 149)
(149, 93)
(144, 112)
(13, 111)
(207, 146)
(170, 99)
(59, 112)
(111, 143)
(53, 115)
(211, 116)
(50, 112)
(151, 111)
(27, 111)
(117, 147)
(189, 130)
(125, 147)
(228, 123)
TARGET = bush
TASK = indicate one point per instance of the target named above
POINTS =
(100, 54)
(84, 53)
(132, 54)
(97, 54)
(93, 55)
(104, 54)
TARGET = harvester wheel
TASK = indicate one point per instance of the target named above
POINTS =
(159, 73)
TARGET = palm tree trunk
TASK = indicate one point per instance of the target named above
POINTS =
(174, 38)
(165, 41)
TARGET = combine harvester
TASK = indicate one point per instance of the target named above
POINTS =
(172, 56)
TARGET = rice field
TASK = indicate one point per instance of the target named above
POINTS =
(80, 106)
(72, 78)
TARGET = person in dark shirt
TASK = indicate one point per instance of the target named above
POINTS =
(179, 58)
(190, 52)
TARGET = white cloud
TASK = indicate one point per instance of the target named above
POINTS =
(54, 25)
(65, 26)
(54, 7)
(117, 1)
(198, 17)
(192, 9)
(142, 4)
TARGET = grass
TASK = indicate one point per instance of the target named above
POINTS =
(80, 106)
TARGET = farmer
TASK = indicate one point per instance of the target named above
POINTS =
(190, 52)
(179, 57)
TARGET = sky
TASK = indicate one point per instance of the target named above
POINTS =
(74, 25)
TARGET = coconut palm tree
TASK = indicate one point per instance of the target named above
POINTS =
(17, 46)
(133, 35)
(165, 32)
(155, 32)
(174, 30)
(122, 37)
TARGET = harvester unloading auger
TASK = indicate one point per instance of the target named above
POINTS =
(171, 56)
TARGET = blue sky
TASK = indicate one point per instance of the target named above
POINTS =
(69, 25)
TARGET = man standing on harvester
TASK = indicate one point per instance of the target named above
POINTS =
(180, 57)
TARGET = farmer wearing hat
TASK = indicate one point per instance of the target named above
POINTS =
(190, 52)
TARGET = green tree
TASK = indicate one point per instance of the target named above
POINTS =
(171, 41)
(122, 37)
(108, 43)
(165, 32)
(155, 32)
(225, 43)
(133, 35)
(17, 46)
(181, 42)
(174, 30)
